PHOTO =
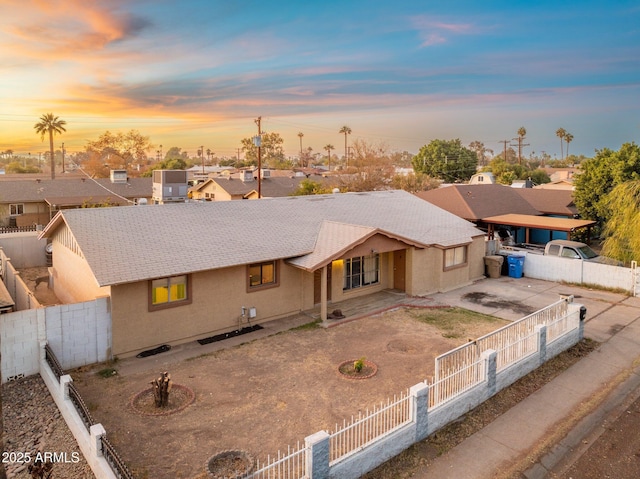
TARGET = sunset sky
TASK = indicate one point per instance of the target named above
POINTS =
(197, 73)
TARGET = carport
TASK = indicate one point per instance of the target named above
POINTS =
(529, 222)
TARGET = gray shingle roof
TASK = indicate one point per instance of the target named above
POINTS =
(27, 191)
(128, 244)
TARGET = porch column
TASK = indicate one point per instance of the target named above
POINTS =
(323, 294)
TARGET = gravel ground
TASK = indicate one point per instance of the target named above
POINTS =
(33, 428)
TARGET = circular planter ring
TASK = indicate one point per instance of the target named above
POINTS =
(369, 369)
(229, 465)
(145, 397)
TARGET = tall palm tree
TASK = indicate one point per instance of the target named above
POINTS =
(346, 131)
(300, 135)
(561, 133)
(568, 138)
(328, 148)
(49, 123)
(522, 132)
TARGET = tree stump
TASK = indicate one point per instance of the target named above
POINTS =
(161, 388)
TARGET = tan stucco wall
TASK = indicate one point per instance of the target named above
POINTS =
(337, 281)
(218, 297)
(425, 269)
(73, 281)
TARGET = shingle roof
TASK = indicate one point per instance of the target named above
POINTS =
(128, 244)
(474, 202)
(272, 187)
(28, 191)
(549, 201)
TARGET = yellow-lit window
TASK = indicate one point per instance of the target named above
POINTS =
(263, 274)
(165, 291)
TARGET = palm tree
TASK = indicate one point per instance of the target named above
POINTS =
(522, 132)
(53, 125)
(300, 135)
(328, 148)
(346, 131)
(561, 133)
(568, 138)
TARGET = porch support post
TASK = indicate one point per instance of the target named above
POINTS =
(323, 294)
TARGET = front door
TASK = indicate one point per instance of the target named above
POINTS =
(317, 275)
(399, 270)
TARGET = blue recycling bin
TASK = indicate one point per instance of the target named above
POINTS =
(516, 265)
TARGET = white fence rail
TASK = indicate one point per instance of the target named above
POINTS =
(501, 340)
(457, 383)
(367, 427)
(291, 465)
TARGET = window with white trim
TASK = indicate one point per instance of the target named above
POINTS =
(16, 209)
(361, 271)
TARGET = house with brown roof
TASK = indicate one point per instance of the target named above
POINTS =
(476, 203)
(185, 271)
(34, 201)
(244, 186)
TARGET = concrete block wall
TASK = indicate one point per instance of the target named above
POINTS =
(86, 440)
(20, 333)
(79, 334)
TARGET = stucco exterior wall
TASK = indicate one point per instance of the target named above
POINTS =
(73, 280)
(217, 300)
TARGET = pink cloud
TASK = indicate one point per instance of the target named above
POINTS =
(433, 32)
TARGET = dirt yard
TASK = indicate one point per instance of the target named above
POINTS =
(271, 393)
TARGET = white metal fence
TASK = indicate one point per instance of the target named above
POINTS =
(366, 428)
(456, 383)
(291, 465)
(512, 342)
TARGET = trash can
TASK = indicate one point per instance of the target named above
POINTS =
(516, 265)
(494, 265)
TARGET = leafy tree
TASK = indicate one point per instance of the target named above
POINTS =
(414, 182)
(122, 150)
(622, 229)
(171, 164)
(371, 168)
(601, 174)
(51, 124)
(481, 151)
(310, 187)
(174, 153)
(17, 167)
(538, 176)
(271, 149)
(447, 160)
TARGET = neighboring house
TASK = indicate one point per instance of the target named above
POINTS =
(557, 185)
(185, 271)
(245, 186)
(483, 178)
(35, 201)
(557, 203)
(476, 203)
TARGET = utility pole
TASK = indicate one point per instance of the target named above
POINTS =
(520, 145)
(504, 142)
(63, 157)
(258, 142)
(202, 156)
